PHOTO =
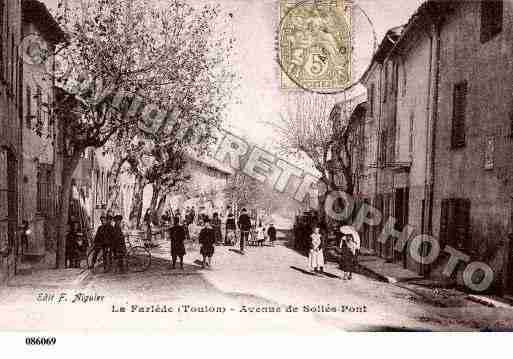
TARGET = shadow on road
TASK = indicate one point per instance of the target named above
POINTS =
(304, 271)
(238, 251)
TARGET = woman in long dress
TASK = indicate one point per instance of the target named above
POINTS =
(347, 256)
(260, 234)
(316, 255)
(207, 240)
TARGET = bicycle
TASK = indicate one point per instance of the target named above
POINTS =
(137, 257)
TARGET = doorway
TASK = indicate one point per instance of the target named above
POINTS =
(401, 216)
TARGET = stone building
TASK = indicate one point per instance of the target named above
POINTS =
(10, 135)
(41, 166)
(380, 134)
(209, 178)
(90, 185)
(472, 202)
(439, 116)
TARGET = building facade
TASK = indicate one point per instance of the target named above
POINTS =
(10, 135)
(439, 125)
(472, 206)
(41, 166)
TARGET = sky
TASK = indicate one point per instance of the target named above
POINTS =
(254, 26)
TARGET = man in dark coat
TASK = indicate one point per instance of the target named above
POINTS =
(118, 244)
(207, 240)
(245, 227)
(102, 243)
(72, 246)
(271, 232)
(177, 236)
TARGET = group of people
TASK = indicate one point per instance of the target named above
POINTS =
(109, 239)
(210, 235)
(245, 226)
(178, 235)
(349, 245)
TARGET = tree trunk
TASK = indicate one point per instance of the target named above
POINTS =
(114, 186)
(154, 201)
(162, 203)
(69, 166)
(137, 202)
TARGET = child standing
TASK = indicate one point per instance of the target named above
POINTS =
(316, 255)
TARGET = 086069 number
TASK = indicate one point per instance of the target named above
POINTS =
(40, 340)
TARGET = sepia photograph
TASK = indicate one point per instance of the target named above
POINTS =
(255, 167)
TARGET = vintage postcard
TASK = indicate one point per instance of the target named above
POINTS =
(238, 167)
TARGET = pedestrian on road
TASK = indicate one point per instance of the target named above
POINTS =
(216, 224)
(271, 232)
(177, 236)
(260, 234)
(244, 227)
(316, 255)
(231, 228)
(347, 256)
(102, 243)
(207, 240)
(72, 246)
(354, 243)
(118, 245)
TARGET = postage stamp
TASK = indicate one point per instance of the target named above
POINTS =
(315, 44)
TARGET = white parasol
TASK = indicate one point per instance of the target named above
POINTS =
(352, 231)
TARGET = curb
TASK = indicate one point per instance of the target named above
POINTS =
(489, 302)
(385, 278)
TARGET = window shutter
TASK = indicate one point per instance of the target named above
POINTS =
(459, 108)
(462, 224)
(455, 223)
(28, 120)
(491, 18)
(2, 39)
(383, 149)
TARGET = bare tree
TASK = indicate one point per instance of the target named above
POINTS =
(318, 127)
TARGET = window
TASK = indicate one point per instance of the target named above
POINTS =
(491, 19)
(458, 115)
(39, 114)
(28, 118)
(382, 160)
(8, 201)
(489, 152)
(48, 114)
(455, 223)
(45, 203)
(371, 99)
